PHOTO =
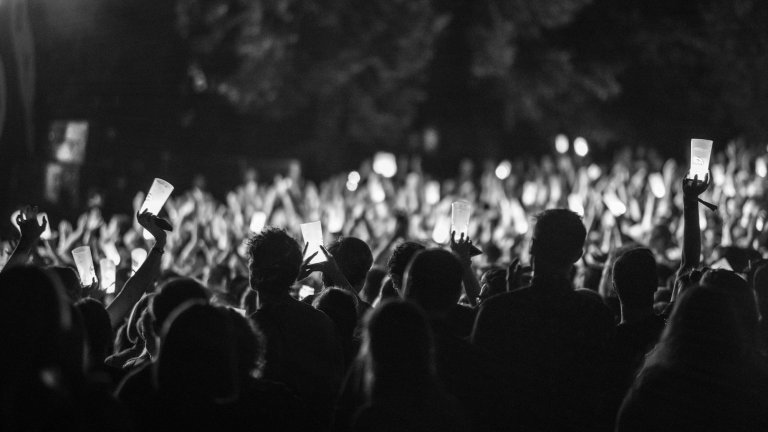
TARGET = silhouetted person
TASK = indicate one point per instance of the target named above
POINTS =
(635, 282)
(706, 373)
(303, 350)
(98, 331)
(205, 376)
(433, 280)
(402, 389)
(551, 336)
(339, 305)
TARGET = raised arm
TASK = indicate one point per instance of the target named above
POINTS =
(31, 230)
(691, 258)
(464, 249)
(144, 277)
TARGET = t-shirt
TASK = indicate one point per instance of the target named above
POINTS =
(553, 340)
(303, 351)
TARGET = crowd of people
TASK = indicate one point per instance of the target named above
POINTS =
(584, 297)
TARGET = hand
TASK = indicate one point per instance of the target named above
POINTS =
(30, 228)
(93, 291)
(694, 187)
(518, 275)
(463, 248)
(153, 224)
(307, 268)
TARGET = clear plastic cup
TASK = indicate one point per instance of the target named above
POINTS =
(701, 149)
(138, 256)
(460, 212)
(157, 196)
(84, 263)
(312, 233)
(107, 274)
(258, 220)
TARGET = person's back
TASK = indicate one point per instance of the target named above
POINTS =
(550, 336)
(706, 372)
(403, 390)
(303, 350)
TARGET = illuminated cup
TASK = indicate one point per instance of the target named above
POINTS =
(701, 149)
(614, 204)
(47, 234)
(258, 220)
(432, 192)
(138, 256)
(312, 233)
(110, 251)
(385, 164)
(107, 274)
(84, 264)
(157, 196)
(460, 212)
(656, 181)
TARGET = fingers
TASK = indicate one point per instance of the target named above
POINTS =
(304, 251)
(309, 258)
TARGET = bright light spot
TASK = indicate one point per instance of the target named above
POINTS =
(594, 172)
(718, 175)
(258, 220)
(760, 224)
(657, 185)
(580, 146)
(504, 170)
(305, 291)
(760, 167)
(575, 204)
(432, 192)
(615, 206)
(442, 231)
(561, 144)
(147, 235)
(110, 251)
(353, 177)
(138, 256)
(335, 222)
(351, 186)
(702, 219)
(385, 164)
(376, 190)
(529, 194)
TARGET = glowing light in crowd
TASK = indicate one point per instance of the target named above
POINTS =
(335, 220)
(376, 190)
(305, 291)
(312, 233)
(575, 204)
(615, 206)
(15, 215)
(761, 168)
(110, 251)
(258, 220)
(504, 170)
(529, 194)
(561, 144)
(760, 223)
(442, 232)
(353, 177)
(84, 263)
(385, 164)
(351, 186)
(107, 271)
(432, 192)
(594, 172)
(718, 175)
(47, 234)
(657, 185)
(701, 149)
(580, 146)
(138, 256)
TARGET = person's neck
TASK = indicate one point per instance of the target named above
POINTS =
(544, 270)
(634, 315)
(273, 297)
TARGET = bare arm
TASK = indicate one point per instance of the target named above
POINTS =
(691, 257)
(144, 277)
(30, 234)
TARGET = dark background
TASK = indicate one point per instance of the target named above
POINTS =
(172, 88)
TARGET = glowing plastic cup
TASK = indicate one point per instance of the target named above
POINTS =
(614, 204)
(432, 192)
(84, 264)
(385, 164)
(47, 234)
(107, 274)
(138, 256)
(157, 196)
(110, 251)
(258, 220)
(312, 233)
(700, 152)
(460, 212)
(657, 185)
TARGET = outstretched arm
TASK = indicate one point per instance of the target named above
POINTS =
(464, 249)
(144, 277)
(31, 230)
(692, 188)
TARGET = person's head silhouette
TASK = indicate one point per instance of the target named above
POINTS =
(399, 260)
(634, 279)
(433, 281)
(275, 259)
(558, 242)
(354, 259)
